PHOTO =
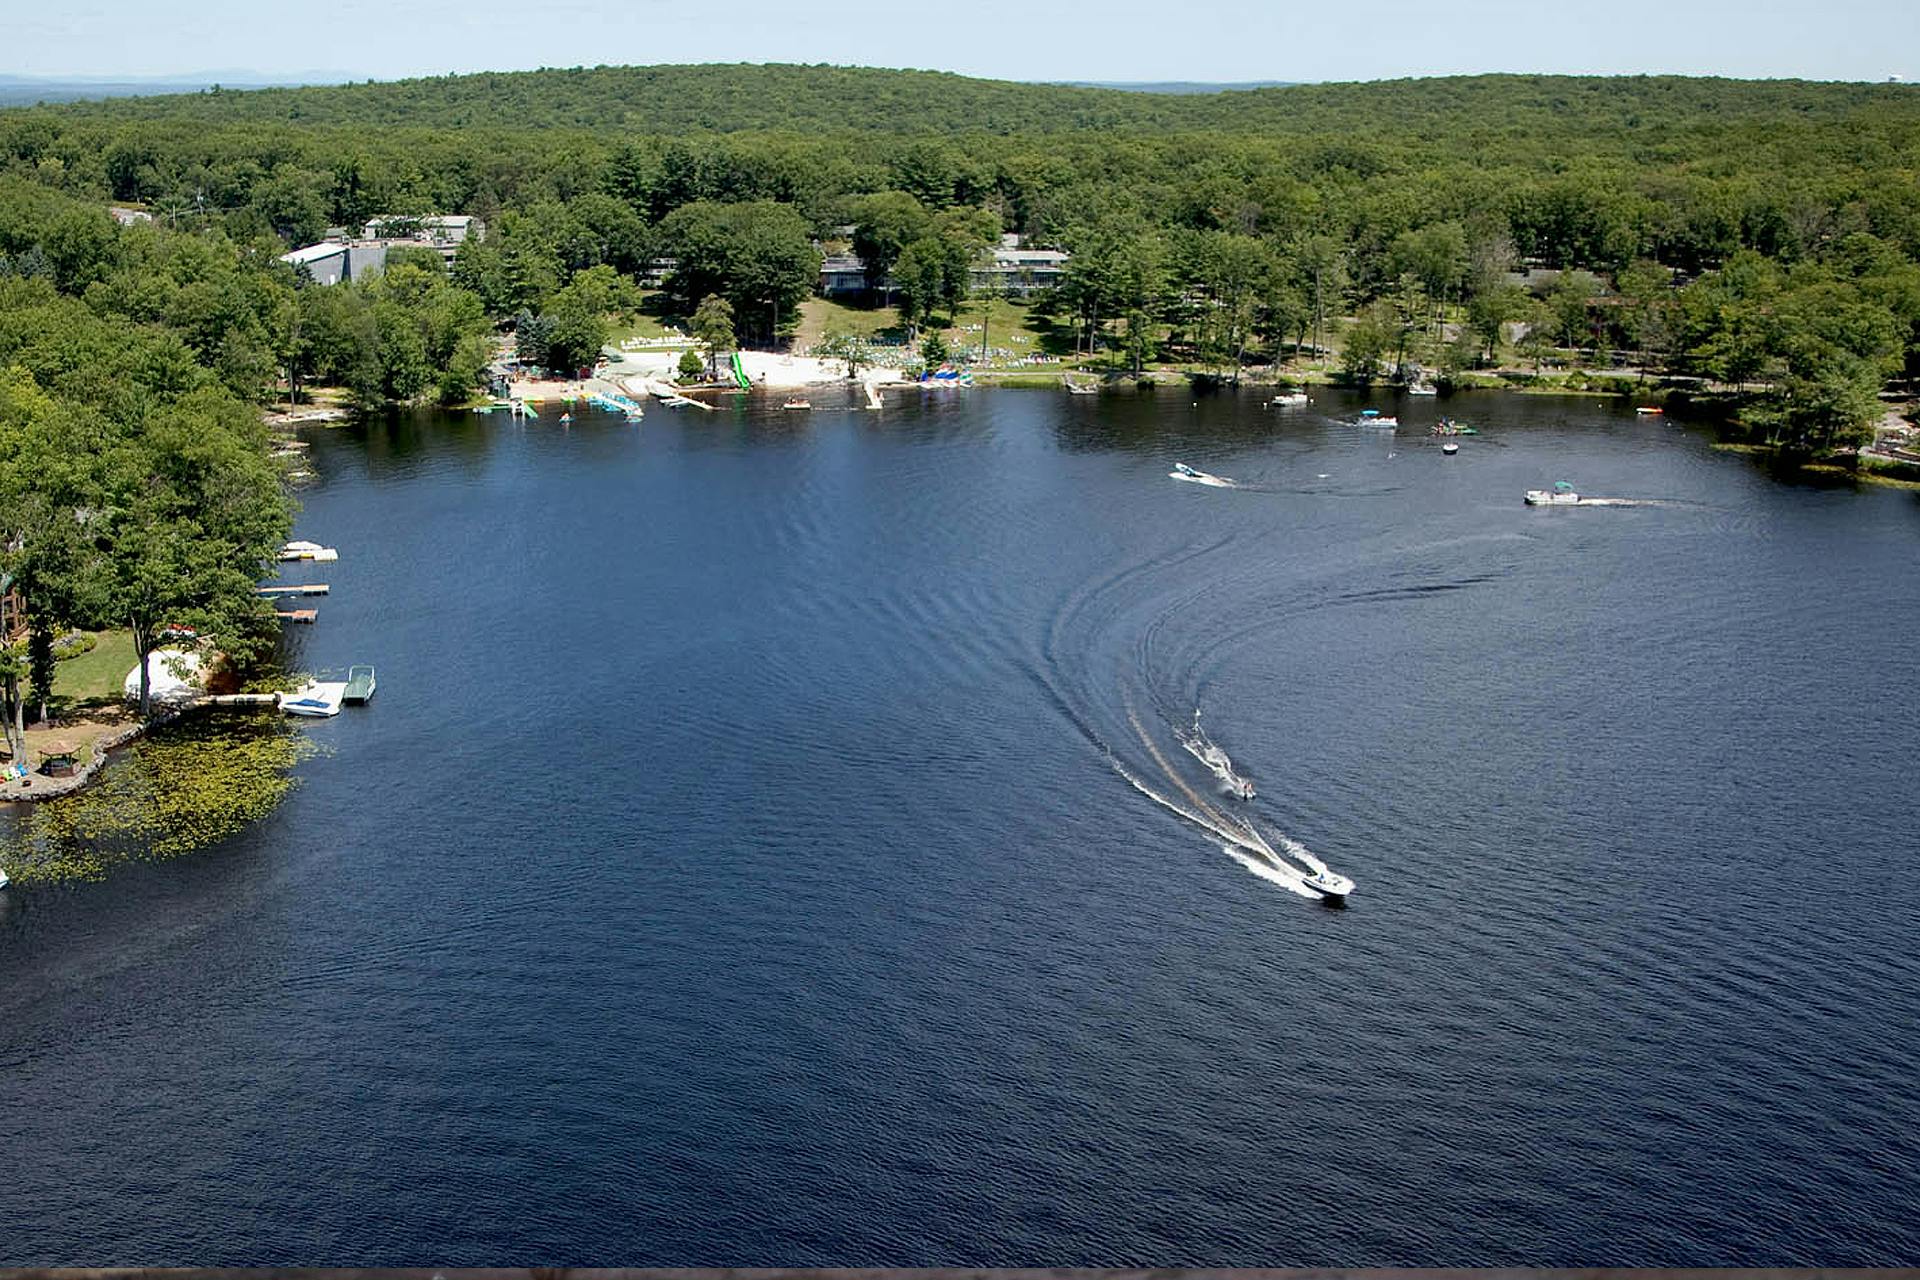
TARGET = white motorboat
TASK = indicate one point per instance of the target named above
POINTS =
(1286, 398)
(1561, 495)
(316, 700)
(307, 551)
(1422, 389)
(1330, 885)
(4, 880)
(1181, 471)
(1203, 749)
(1449, 448)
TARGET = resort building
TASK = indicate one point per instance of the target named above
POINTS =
(1008, 270)
(842, 274)
(344, 257)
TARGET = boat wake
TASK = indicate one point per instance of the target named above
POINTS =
(1239, 838)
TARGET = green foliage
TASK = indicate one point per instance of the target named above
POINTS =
(933, 349)
(692, 367)
(73, 644)
(713, 327)
(178, 791)
(758, 255)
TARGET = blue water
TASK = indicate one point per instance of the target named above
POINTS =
(739, 863)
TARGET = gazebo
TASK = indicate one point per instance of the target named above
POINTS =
(59, 760)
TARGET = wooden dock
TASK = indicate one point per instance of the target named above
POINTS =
(304, 589)
(296, 615)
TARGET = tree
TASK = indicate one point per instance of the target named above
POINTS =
(933, 350)
(713, 328)
(692, 367)
(758, 255)
(884, 224)
(192, 515)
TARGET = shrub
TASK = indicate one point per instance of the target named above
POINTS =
(72, 645)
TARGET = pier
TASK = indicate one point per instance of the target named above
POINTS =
(304, 589)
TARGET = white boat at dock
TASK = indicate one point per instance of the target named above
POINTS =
(1208, 753)
(1287, 399)
(1181, 471)
(307, 551)
(319, 699)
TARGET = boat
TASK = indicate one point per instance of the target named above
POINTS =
(1075, 389)
(1422, 389)
(316, 700)
(360, 686)
(1449, 448)
(1330, 885)
(1650, 411)
(1448, 427)
(4, 880)
(307, 551)
(1203, 749)
(1375, 418)
(1181, 471)
(1286, 398)
(797, 404)
(1561, 495)
(565, 418)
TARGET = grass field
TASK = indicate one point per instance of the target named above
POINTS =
(96, 676)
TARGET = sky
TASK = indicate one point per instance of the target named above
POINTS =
(1205, 40)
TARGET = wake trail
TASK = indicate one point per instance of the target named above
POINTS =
(1238, 839)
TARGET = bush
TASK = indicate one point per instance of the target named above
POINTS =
(72, 645)
(692, 367)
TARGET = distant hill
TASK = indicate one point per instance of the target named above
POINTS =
(27, 90)
(828, 100)
(1175, 86)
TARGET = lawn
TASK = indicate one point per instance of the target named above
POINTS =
(821, 316)
(98, 675)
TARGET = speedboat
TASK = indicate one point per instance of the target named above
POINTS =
(1288, 398)
(1650, 411)
(314, 701)
(1422, 389)
(1375, 418)
(1561, 495)
(4, 880)
(1449, 448)
(1181, 471)
(1203, 749)
(1331, 885)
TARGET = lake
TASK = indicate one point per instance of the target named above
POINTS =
(770, 844)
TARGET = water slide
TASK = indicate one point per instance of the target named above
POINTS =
(740, 374)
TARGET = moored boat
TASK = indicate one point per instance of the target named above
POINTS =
(316, 700)
(798, 404)
(360, 685)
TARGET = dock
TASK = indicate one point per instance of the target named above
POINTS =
(296, 615)
(304, 589)
(244, 700)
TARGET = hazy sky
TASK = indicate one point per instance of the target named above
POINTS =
(1015, 39)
